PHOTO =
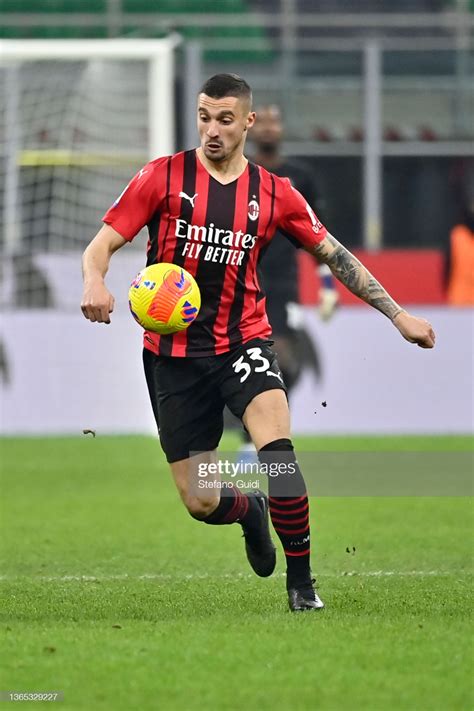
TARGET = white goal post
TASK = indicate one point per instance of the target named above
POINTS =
(77, 119)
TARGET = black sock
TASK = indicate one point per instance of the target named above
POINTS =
(234, 507)
(289, 507)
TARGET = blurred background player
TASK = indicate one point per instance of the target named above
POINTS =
(278, 270)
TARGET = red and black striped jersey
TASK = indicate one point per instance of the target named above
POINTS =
(218, 232)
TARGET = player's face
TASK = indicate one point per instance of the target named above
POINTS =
(268, 129)
(222, 126)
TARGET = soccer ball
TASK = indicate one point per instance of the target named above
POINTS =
(164, 298)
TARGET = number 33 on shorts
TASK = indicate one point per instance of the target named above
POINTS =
(254, 360)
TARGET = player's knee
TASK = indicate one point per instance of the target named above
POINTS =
(201, 507)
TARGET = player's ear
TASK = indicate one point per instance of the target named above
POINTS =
(250, 120)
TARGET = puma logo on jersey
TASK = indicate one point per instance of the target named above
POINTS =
(141, 173)
(188, 197)
(275, 375)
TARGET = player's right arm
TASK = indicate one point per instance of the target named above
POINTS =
(97, 301)
(130, 212)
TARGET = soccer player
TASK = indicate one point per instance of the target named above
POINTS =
(213, 212)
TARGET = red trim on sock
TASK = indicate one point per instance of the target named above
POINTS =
(293, 554)
(286, 502)
(239, 507)
(230, 516)
(289, 521)
(291, 532)
(245, 506)
(294, 511)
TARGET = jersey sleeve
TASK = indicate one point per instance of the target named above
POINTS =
(139, 201)
(298, 220)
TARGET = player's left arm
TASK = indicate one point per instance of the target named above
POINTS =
(352, 273)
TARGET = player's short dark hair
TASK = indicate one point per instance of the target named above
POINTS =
(221, 85)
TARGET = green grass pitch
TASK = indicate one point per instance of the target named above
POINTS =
(114, 595)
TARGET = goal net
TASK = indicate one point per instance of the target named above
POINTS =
(77, 120)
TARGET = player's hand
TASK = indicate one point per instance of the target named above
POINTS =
(416, 330)
(97, 302)
(328, 301)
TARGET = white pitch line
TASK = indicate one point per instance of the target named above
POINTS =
(224, 576)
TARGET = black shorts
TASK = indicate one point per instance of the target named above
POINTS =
(188, 395)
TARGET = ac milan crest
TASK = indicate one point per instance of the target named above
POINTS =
(254, 210)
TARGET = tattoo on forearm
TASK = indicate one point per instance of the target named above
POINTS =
(356, 277)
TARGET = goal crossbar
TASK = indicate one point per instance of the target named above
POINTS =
(158, 52)
(133, 49)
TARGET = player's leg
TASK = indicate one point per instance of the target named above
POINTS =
(267, 420)
(189, 412)
(285, 345)
(226, 505)
(210, 503)
(290, 369)
(255, 392)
